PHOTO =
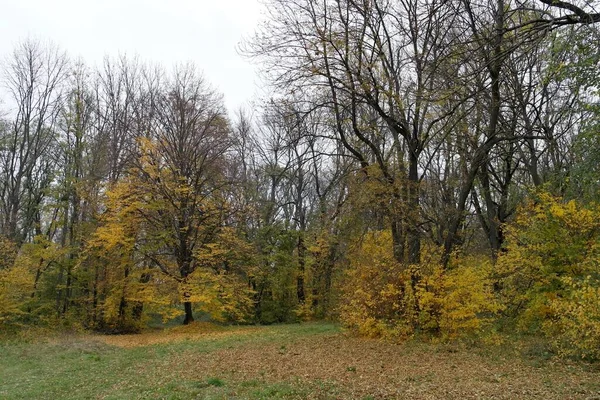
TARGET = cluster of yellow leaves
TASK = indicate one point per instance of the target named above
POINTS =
(460, 301)
(223, 296)
(576, 328)
(375, 303)
(8, 252)
(128, 277)
(18, 275)
(9, 298)
(549, 273)
(385, 298)
(16, 283)
(221, 292)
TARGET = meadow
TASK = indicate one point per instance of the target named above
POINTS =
(297, 361)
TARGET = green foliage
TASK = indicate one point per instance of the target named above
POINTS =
(325, 265)
(584, 179)
(575, 60)
(274, 277)
(215, 382)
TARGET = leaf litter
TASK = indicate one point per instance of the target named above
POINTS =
(358, 368)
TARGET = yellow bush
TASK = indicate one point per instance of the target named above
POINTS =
(550, 240)
(16, 286)
(576, 328)
(548, 274)
(377, 291)
(458, 302)
(468, 303)
(20, 278)
(8, 252)
(385, 298)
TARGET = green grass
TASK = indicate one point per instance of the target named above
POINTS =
(82, 369)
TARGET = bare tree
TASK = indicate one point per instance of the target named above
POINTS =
(34, 77)
(374, 65)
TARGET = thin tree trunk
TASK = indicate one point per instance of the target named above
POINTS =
(301, 268)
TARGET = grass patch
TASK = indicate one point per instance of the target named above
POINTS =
(215, 382)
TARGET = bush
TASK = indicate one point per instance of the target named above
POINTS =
(576, 328)
(548, 274)
(458, 302)
(384, 298)
(378, 299)
(16, 286)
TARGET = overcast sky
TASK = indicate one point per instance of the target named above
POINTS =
(161, 31)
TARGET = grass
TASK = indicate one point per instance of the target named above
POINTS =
(317, 361)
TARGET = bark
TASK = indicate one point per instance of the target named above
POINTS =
(301, 269)
(414, 237)
(189, 315)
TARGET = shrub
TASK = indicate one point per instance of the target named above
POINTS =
(576, 327)
(548, 274)
(378, 300)
(386, 298)
(459, 301)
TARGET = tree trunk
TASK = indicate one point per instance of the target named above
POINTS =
(189, 315)
(414, 237)
(301, 268)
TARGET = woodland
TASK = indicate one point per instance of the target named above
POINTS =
(420, 169)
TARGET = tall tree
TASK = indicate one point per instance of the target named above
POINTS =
(33, 76)
(374, 65)
(176, 183)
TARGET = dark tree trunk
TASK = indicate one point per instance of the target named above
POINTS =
(189, 315)
(301, 269)
(414, 237)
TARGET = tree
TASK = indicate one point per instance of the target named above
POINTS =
(175, 190)
(34, 77)
(377, 73)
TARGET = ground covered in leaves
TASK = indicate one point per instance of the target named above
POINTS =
(307, 361)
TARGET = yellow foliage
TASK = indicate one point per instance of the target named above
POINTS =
(385, 298)
(550, 240)
(576, 328)
(460, 301)
(8, 252)
(162, 243)
(375, 301)
(18, 280)
(223, 296)
(16, 285)
(549, 275)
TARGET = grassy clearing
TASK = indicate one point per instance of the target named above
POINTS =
(280, 362)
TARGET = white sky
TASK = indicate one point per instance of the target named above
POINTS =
(159, 31)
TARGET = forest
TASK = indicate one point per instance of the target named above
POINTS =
(420, 169)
